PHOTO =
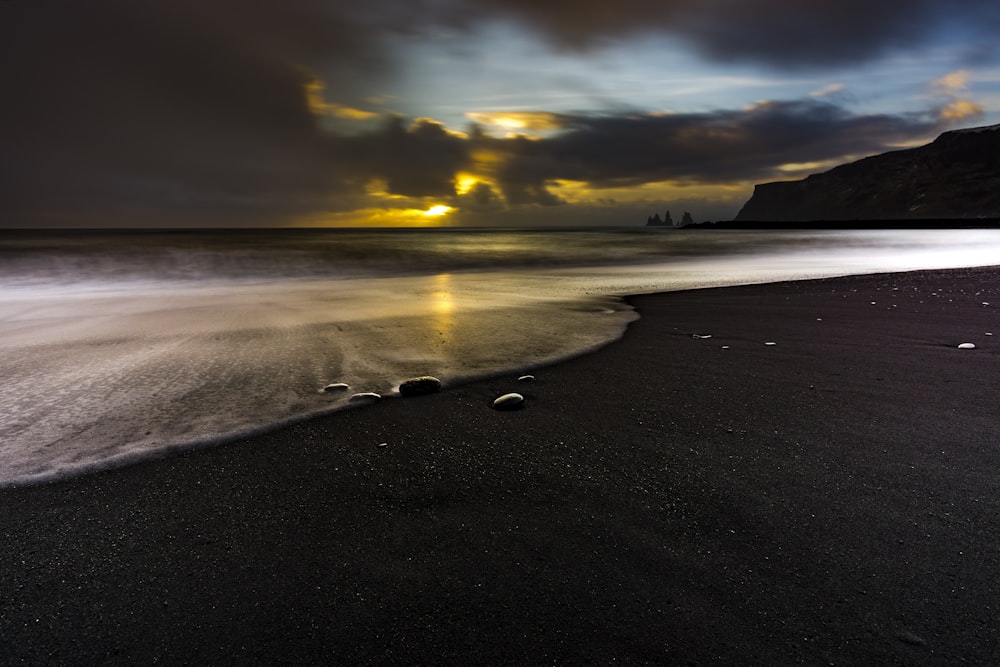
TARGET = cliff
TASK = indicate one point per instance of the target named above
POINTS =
(955, 176)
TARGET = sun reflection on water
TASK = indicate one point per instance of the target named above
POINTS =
(442, 307)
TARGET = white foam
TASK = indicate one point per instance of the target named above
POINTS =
(100, 376)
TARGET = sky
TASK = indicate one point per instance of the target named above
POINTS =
(230, 113)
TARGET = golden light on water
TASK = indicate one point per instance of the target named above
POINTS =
(442, 298)
(442, 309)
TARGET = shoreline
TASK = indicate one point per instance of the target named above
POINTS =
(830, 497)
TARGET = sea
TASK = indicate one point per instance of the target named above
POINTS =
(121, 346)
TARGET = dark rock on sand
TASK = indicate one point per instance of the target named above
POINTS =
(366, 396)
(419, 386)
(509, 402)
(526, 378)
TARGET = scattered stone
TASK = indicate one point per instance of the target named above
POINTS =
(336, 386)
(911, 639)
(770, 342)
(701, 336)
(989, 333)
(725, 347)
(526, 378)
(509, 402)
(967, 346)
(366, 396)
(425, 384)
(383, 444)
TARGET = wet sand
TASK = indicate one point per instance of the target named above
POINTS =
(831, 498)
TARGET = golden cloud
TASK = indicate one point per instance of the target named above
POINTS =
(316, 99)
(960, 110)
(831, 89)
(951, 83)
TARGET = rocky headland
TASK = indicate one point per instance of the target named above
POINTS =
(957, 176)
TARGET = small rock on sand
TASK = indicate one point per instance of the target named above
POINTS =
(366, 396)
(911, 639)
(509, 402)
(419, 386)
(770, 342)
(336, 386)
(967, 346)
(526, 378)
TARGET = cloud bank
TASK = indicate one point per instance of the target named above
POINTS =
(133, 112)
(782, 33)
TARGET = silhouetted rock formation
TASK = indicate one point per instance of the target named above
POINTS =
(655, 221)
(686, 219)
(955, 176)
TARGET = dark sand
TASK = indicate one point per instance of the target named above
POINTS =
(834, 498)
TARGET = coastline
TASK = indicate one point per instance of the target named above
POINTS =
(830, 497)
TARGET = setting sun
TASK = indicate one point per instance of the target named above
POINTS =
(438, 210)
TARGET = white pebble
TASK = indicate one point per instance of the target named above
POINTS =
(967, 346)
(336, 386)
(770, 342)
(509, 402)
(526, 378)
(702, 336)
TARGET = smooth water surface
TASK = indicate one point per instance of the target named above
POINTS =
(119, 346)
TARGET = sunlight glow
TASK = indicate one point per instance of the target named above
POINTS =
(518, 120)
(442, 298)
(438, 210)
(464, 183)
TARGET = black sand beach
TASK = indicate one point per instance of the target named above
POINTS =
(830, 499)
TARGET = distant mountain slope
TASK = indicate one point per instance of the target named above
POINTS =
(955, 176)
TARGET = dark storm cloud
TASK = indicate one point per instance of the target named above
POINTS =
(416, 161)
(179, 105)
(152, 112)
(708, 148)
(783, 33)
